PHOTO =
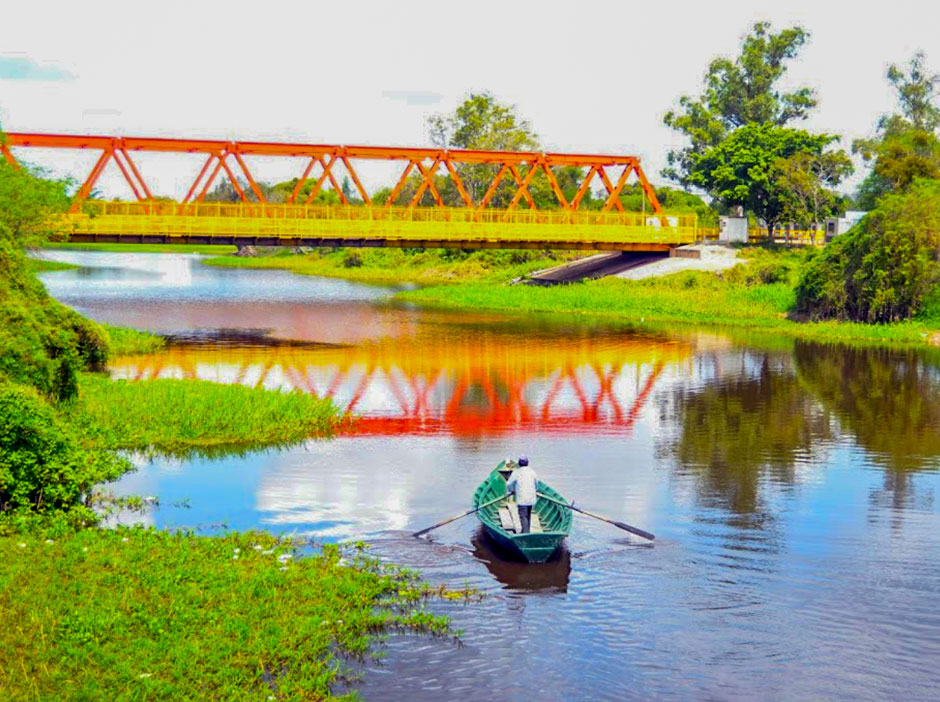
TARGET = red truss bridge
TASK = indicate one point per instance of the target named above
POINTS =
(505, 215)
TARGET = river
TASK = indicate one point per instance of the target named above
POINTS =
(791, 485)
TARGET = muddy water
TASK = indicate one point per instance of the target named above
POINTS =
(792, 486)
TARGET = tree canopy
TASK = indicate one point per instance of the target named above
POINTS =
(906, 145)
(740, 91)
(742, 170)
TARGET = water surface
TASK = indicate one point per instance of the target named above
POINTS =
(791, 485)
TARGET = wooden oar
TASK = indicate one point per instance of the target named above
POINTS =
(460, 516)
(619, 525)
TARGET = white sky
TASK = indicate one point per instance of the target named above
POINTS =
(591, 77)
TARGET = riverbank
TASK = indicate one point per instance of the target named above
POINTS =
(183, 417)
(145, 614)
(209, 249)
(683, 298)
(406, 266)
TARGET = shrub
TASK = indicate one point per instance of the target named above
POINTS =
(44, 470)
(885, 268)
(352, 260)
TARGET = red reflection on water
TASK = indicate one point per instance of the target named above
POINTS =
(483, 386)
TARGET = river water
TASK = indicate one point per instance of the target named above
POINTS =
(792, 486)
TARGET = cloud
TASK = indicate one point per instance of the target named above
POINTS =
(413, 97)
(25, 68)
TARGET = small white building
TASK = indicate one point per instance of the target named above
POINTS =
(732, 230)
(840, 225)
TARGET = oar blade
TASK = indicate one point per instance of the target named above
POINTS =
(634, 530)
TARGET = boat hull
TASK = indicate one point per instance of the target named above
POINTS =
(533, 547)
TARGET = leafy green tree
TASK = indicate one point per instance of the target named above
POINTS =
(482, 122)
(884, 269)
(906, 146)
(901, 155)
(741, 171)
(806, 181)
(738, 92)
(917, 91)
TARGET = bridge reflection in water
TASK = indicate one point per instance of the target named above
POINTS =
(489, 385)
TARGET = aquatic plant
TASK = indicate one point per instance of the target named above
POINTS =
(194, 416)
(144, 614)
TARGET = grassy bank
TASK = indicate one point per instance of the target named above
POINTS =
(428, 267)
(123, 341)
(41, 265)
(210, 249)
(141, 614)
(691, 297)
(183, 416)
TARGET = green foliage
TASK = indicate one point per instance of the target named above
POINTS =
(217, 249)
(743, 169)
(189, 416)
(404, 265)
(806, 181)
(885, 268)
(673, 200)
(482, 122)
(905, 147)
(143, 614)
(127, 342)
(44, 469)
(900, 155)
(43, 343)
(40, 265)
(917, 91)
(757, 297)
(740, 91)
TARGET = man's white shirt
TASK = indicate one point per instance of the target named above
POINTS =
(524, 483)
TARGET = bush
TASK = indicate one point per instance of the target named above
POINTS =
(44, 470)
(42, 343)
(884, 269)
(352, 260)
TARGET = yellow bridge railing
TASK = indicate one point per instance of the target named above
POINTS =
(396, 224)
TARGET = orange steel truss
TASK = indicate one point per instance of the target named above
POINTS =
(514, 166)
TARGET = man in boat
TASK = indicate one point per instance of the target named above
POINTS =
(523, 484)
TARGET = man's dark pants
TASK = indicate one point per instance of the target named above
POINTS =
(525, 516)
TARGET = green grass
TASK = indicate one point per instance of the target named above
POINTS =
(124, 341)
(134, 614)
(431, 266)
(41, 265)
(182, 417)
(692, 297)
(215, 249)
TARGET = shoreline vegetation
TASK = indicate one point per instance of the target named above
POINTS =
(758, 293)
(185, 417)
(146, 614)
(402, 266)
(139, 613)
(213, 249)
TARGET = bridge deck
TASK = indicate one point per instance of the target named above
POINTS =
(358, 226)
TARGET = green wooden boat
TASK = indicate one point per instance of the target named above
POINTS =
(550, 521)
